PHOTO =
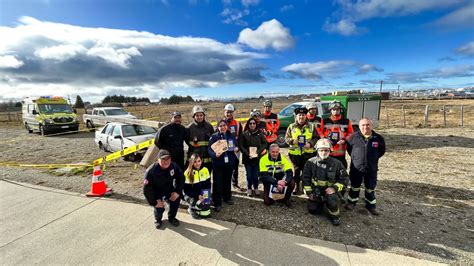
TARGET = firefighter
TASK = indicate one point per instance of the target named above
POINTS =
(301, 136)
(198, 133)
(337, 129)
(276, 170)
(171, 137)
(324, 178)
(312, 115)
(272, 122)
(365, 148)
(164, 183)
(235, 129)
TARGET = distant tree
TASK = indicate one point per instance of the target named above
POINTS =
(79, 103)
(261, 97)
(124, 99)
(18, 104)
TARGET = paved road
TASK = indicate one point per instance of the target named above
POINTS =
(48, 226)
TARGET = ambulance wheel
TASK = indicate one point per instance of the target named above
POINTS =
(42, 131)
(28, 128)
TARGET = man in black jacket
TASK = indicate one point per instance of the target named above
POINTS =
(365, 148)
(171, 137)
(198, 134)
(164, 183)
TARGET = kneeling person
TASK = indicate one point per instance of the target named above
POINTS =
(323, 179)
(164, 183)
(276, 170)
(197, 188)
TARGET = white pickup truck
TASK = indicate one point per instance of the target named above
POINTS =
(99, 116)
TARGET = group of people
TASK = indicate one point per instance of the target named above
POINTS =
(317, 165)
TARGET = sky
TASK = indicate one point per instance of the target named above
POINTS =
(231, 48)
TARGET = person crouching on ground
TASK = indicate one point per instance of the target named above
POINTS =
(276, 174)
(223, 164)
(324, 178)
(164, 183)
(253, 145)
(197, 188)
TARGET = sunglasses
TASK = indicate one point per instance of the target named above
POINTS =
(252, 123)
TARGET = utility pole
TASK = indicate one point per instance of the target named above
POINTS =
(381, 82)
(398, 90)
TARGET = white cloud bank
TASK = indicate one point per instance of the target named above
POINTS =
(270, 34)
(37, 54)
(328, 69)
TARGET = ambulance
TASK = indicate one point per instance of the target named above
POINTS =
(47, 114)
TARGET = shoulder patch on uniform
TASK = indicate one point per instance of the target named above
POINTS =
(172, 172)
(145, 181)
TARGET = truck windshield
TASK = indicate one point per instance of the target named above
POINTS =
(115, 112)
(54, 108)
(136, 130)
(289, 110)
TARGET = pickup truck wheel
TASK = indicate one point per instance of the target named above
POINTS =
(28, 128)
(89, 124)
(281, 138)
(131, 157)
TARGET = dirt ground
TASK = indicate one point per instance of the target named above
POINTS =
(425, 191)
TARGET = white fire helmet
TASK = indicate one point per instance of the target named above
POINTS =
(198, 109)
(229, 107)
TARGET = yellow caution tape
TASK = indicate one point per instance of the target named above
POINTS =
(238, 119)
(124, 152)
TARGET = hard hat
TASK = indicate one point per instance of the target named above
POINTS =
(229, 107)
(323, 143)
(267, 103)
(334, 105)
(311, 105)
(255, 112)
(198, 109)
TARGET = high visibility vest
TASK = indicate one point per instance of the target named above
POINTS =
(297, 134)
(276, 168)
(198, 176)
(272, 124)
(336, 129)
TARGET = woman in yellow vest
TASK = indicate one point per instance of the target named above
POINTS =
(301, 136)
(197, 188)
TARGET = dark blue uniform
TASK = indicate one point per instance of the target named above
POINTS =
(365, 154)
(159, 184)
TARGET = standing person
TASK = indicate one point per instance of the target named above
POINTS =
(272, 122)
(198, 133)
(301, 136)
(261, 126)
(252, 138)
(313, 117)
(197, 187)
(164, 183)
(365, 148)
(235, 129)
(337, 129)
(276, 170)
(171, 137)
(223, 165)
(324, 179)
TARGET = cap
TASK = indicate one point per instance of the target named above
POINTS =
(174, 114)
(163, 154)
(301, 110)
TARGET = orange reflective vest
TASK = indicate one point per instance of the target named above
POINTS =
(272, 124)
(336, 128)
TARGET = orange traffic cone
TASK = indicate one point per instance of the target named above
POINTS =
(98, 188)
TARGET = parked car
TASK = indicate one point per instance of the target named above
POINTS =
(99, 116)
(118, 136)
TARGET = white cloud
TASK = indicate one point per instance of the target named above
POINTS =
(459, 71)
(350, 12)
(343, 27)
(467, 49)
(234, 16)
(286, 8)
(60, 52)
(319, 70)
(329, 69)
(460, 18)
(366, 68)
(36, 53)
(270, 34)
(9, 61)
(250, 2)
